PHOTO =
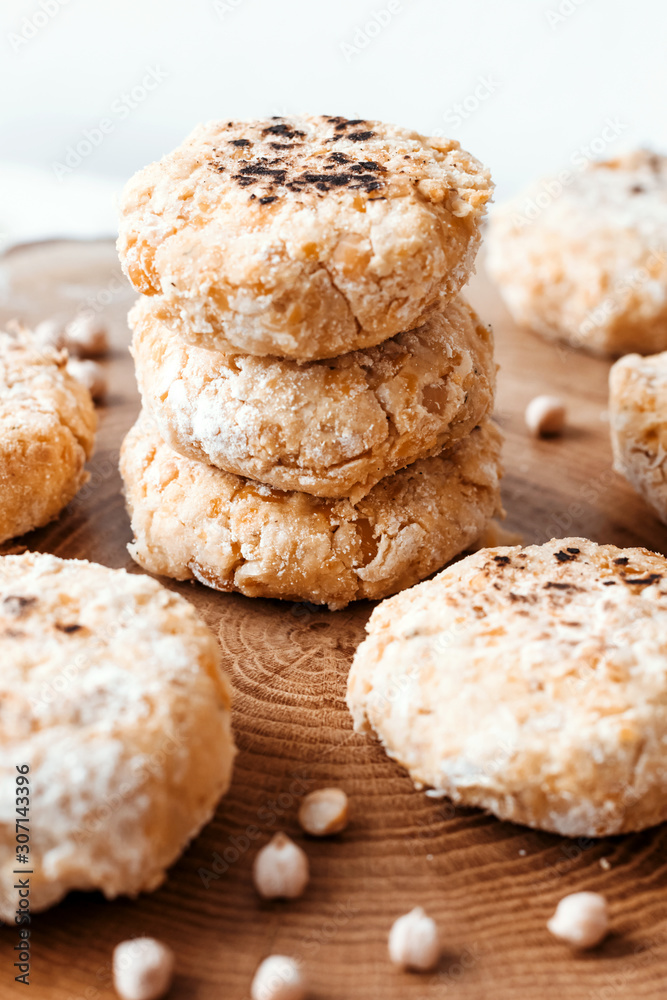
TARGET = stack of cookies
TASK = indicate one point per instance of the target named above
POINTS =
(316, 392)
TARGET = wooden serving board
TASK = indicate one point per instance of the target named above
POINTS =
(490, 885)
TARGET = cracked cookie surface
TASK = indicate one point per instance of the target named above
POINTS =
(533, 683)
(303, 237)
(112, 691)
(192, 521)
(47, 432)
(331, 428)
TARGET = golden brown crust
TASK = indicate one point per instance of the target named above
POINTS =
(331, 428)
(193, 521)
(112, 692)
(529, 681)
(303, 237)
(47, 432)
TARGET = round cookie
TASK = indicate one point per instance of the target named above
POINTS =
(47, 432)
(583, 258)
(638, 425)
(112, 693)
(194, 521)
(303, 237)
(529, 681)
(331, 428)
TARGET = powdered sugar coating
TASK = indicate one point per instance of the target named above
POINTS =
(47, 431)
(529, 681)
(112, 692)
(191, 520)
(638, 425)
(590, 266)
(331, 428)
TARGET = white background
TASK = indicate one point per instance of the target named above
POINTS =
(548, 74)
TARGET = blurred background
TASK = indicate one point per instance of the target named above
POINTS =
(94, 89)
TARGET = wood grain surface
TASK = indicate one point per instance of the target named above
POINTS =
(490, 885)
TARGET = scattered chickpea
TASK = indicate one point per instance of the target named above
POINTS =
(278, 978)
(581, 919)
(143, 969)
(414, 942)
(324, 811)
(91, 374)
(86, 336)
(50, 333)
(545, 415)
(281, 869)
